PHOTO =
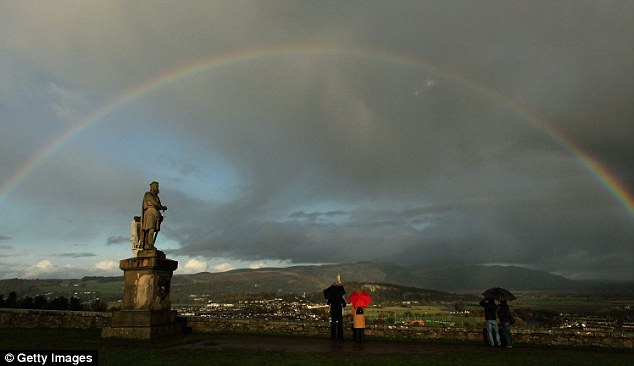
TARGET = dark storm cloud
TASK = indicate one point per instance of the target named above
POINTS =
(369, 137)
(570, 240)
(349, 154)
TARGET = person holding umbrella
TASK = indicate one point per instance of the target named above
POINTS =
(334, 295)
(358, 323)
(490, 309)
(359, 300)
(503, 295)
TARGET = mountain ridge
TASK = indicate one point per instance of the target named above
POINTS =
(311, 279)
(452, 278)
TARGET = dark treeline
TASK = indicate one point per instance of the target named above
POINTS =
(44, 303)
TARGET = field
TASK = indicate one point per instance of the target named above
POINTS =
(577, 303)
(204, 349)
(428, 315)
(531, 309)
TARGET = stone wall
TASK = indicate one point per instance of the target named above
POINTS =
(22, 318)
(616, 340)
(27, 318)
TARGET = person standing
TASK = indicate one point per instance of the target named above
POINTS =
(506, 319)
(337, 304)
(490, 319)
(358, 323)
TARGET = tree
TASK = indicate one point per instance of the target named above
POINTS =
(12, 300)
(40, 302)
(59, 303)
(26, 303)
(75, 304)
(98, 305)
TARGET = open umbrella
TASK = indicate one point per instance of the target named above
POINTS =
(334, 292)
(498, 293)
(360, 299)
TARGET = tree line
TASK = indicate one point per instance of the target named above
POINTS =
(42, 302)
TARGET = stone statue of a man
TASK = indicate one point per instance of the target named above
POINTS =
(151, 218)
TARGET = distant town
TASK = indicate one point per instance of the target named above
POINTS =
(408, 313)
(578, 311)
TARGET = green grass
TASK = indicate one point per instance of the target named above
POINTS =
(195, 349)
(566, 303)
(431, 314)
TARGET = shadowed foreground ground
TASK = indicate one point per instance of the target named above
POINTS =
(216, 349)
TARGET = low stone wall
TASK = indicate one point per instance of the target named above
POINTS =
(620, 340)
(313, 328)
(22, 318)
(28, 318)
(616, 340)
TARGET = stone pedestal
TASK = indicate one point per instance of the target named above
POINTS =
(146, 308)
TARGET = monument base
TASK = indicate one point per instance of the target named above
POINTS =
(143, 324)
(145, 308)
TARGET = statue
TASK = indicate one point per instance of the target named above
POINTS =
(135, 235)
(146, 309)
(149, 224)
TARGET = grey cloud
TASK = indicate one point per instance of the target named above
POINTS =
(5, 247)
(74, 255)
(117, 240)
(312, 216)
(416, 132)
(483, 231)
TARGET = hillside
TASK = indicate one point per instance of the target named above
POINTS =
(311, 280)
(441, 278)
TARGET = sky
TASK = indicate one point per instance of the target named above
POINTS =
(307, 132)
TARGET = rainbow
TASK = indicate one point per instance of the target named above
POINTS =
(603, 175)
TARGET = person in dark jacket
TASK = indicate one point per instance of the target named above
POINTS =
(506, 319)
(490, 319)
(336, 317)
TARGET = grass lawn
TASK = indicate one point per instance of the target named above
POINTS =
(197, 349)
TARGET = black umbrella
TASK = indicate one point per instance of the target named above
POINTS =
(498, 293)
(334, 292)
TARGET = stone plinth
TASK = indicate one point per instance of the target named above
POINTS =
(147, 279)
(143, 324)
(146, 308)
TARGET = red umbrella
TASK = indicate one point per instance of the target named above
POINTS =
(360, 299)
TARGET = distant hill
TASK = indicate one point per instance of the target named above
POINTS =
(307, 279)
(106, 288)
(388, 293)
(312, 279)
(479, 277)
